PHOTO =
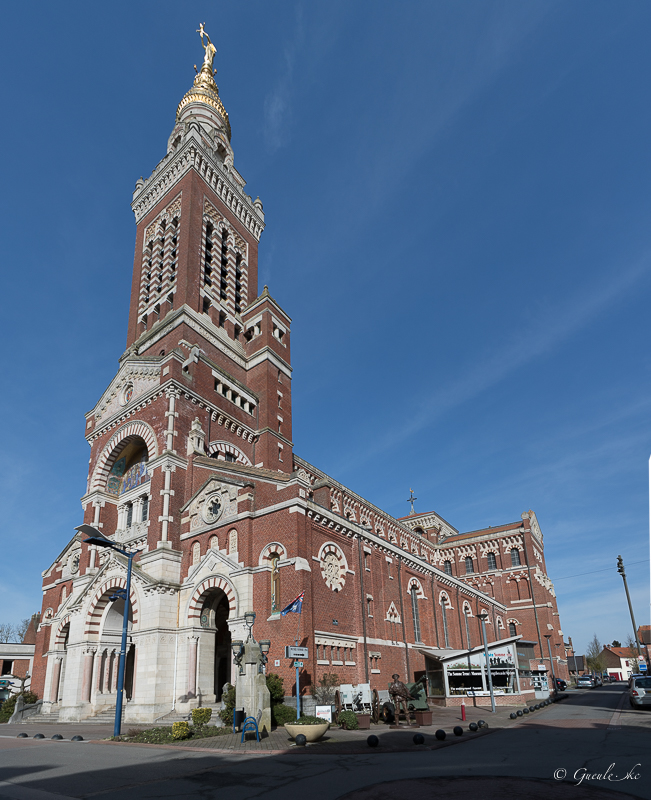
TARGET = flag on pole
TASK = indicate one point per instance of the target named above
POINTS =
(295, 606)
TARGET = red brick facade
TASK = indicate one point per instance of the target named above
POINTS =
(191, 461)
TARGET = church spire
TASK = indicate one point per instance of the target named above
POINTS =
(204, 89)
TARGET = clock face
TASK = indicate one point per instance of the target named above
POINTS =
(212, 509)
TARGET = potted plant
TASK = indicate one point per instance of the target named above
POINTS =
(312, 728)
(349, 720)
(363, 721)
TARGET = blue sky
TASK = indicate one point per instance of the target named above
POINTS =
(457, 206)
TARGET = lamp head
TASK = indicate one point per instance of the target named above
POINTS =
(249, 618)
(94, 536)
(237, 645)
(265, 644)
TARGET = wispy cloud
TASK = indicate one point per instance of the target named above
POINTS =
(536, 336)
(278, 102)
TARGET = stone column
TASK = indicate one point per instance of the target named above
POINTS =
(87, 675)
(56, 676)
(116, 670)
(193, 643)
(98, 670)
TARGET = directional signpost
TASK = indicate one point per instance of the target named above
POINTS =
(295, 653)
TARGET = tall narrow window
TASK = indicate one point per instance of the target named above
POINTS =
(175, 244)
(129, 514)
(444, 612)
(224, 265)
(414, 609)
(492, 561)
(145, 508)
(512, 630)
(161, 257)
(469, 567)
(447, 567)
(515, 557)
(207, 263)
(196, 553)
(275, 583)
(466, 614)
(238, 283)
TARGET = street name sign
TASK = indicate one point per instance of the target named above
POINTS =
(295, 652)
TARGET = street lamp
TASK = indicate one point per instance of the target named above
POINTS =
(483, 617)
(620, 569)
(548, 636)
(97, 538)
(249, 619)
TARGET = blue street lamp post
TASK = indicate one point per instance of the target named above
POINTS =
(97, 538)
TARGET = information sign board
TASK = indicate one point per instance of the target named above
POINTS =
(324, 712)
(295, 652)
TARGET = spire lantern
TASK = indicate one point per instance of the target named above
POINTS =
(204, 89)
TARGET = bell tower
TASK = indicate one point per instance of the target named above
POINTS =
(195, 274)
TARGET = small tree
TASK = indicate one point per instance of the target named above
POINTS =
(6, 632)
(275, 684)
(593, 655)
(633, 656)
(324, 691)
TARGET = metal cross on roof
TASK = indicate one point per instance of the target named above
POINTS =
(411, 500)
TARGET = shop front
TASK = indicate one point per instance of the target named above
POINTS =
(456, 676)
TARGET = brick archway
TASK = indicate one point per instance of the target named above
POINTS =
(198, 596)
(127, 433)
(100, 601)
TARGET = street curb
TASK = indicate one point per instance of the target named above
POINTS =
(333, 750)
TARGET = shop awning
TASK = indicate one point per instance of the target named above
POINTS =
(443, 654)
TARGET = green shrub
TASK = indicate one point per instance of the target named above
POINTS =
(348, 720)
(9, 706)
(280, 714)
(308, 720)
(226, 715)
(201, 716)
(181, 730)
(276, 688)
(324, 690)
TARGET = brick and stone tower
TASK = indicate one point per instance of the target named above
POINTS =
(192, 465)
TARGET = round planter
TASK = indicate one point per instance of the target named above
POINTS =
(311, 732)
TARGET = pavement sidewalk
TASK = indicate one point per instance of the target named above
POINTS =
(335, 741)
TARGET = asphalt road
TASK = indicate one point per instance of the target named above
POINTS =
(556, 752)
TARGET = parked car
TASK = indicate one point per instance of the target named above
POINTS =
(561, 685)
(598, 680)
(585, 682)
(639, 693)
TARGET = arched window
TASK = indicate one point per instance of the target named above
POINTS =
(515, 557)
(469, 567)
(144, 509)
(196, 553)
(444, 612)
(232, 541)
(414, 608)
(274, 559)
(466, 615)
(64, 594)
(447, 567)
(492, 561)
(512, 630)
(214, 543)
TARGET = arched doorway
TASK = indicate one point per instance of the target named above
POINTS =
(215, 658)
(110, 642)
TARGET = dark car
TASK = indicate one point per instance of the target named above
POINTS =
(561, 685)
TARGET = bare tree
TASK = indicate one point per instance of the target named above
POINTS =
(633, 655)
(21, 629)
(7, 632)
(593, 655)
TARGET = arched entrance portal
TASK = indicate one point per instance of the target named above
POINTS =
(215, 646)
(109, 645)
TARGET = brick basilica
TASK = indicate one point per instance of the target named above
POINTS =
(192, 463)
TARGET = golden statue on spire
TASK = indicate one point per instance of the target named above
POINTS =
(209, 48)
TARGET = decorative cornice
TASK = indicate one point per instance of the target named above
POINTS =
(193, 156)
